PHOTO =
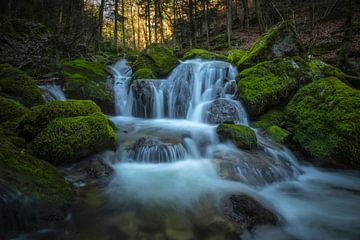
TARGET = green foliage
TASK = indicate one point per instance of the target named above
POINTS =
(277, 133)
(10, 110)
(271, 83)
(144, 73)
(163, 58)
(69, 139)
(31, 176)
(270, 118)
(242, 136)
(324, 118)
(88, 80)
(40, 116)
(203, 54)
(235, 55)
(269, 45)
(20, 86)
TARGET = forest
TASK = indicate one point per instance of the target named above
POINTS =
(179, 119)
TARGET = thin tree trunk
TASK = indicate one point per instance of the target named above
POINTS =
(138, 26)
(161, 19)
(229, 21)
(116, 23)
(191, 19)
(206, 5)
(246, 14)
(149, 21)
(156, 2)
(262, 25)
(132, 23)
(348, 34)
(123, 22)
(101, 21)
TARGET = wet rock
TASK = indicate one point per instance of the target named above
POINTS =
(248, 212)
(143, 93)
(222, 111)
(242, 136)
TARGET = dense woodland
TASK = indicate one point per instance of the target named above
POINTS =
(179, 119)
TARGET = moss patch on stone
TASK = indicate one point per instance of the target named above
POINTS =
(163, 58)
(270, 118)
(10, 110)
(279, 41)
(69, 139)
(324, 118)
(93, 71)
(203, 54)
(144, 73)
(235, 55)
(242, 136)
(40, 116)
(19, 86)
(271, 83)
(277, 133)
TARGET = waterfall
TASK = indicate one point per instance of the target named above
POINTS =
(52, 92)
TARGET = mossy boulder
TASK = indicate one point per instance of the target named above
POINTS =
(144, 73)
(10, 110)
(162, 57)
(235, 55)
(271, 83)
(18, 85)
(279, 41)
(242, 136)
(324, 119)
(270, 118)
(34, 193)
(277, 133)
(88, 80)
(203, 54)
(35, 120)
(69, 139)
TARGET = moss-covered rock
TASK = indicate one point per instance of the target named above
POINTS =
(277, 133)
(19, 86)
(10, 110)
(242, 136)
(270, 118)
(39, 117)
(35, 191)
(279, 41)
(69, 139)
(324, 118)
(144, 73)
(163, 58)
(203, 54)
(235, 55)
(88, 80)
(271, 83)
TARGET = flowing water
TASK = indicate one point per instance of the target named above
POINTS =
(172, 175)
(52, 92)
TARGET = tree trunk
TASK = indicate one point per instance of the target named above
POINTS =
(207, 23)
(123, 22)
(149, 21)
(229, 21)
(260, 17)
(348, 34)
(156, 2)
(246, 14)
(132, 23)
(191, 19)
(116, 23)
(101, 21)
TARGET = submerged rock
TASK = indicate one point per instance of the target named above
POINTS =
(223, 111)
(324, 119)
(88, 80)
(39, 117)
(271, 83)
(69, 139)
(279, 41)
(18, 85)
(242, 136)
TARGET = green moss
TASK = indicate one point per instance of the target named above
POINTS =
(266, 47)
(277, 133)
(324, 118)
(10, 110)
(69, 139)
(322, 69)
(20, 86)
(242, 136)
(271, 83)
(142, 61)
(31, 176)
(144, 73)
(93, 71)
(272, 117)
(203, 54)
(163, 58)
(235, 55)
(40, 116)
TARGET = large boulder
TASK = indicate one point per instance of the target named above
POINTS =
(279, 41)
(33, 192)
(10, 110)
(271, 83)
(203, 54)
(35, 120)
(69, 139)
(242, 136)
(324, 118)
(88, 80)
(223, 111)
(18, 85)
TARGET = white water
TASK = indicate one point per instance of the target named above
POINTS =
(52, 92)
(310, 203)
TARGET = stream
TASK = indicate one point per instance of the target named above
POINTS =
(172, 175)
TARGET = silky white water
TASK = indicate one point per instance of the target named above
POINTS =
(169, 151)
